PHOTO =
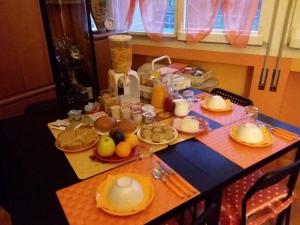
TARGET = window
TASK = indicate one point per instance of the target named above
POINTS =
(169, 27)
(176, 16)
(219, 25)
(258, 35)
(295, 27)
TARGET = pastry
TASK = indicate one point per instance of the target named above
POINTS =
(169, 135)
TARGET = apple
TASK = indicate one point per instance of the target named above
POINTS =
(106, 146)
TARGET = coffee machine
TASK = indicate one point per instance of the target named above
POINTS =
(126, 86)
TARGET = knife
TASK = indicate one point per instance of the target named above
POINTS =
(172, 174)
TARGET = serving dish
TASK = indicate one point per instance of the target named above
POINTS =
(79, 149)
(139, 135)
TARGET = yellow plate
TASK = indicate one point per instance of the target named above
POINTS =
(103, 189)
(268, 138)
(78, 149)
(228, 106)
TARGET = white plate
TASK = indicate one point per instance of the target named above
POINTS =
(203, 126)
(154, 143)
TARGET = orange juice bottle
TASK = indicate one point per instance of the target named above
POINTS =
(158, 96)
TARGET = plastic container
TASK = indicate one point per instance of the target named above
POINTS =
(121, 52)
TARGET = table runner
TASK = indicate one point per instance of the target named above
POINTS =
(84, 167)
(79, 205)
(237, 113)
(244, 156)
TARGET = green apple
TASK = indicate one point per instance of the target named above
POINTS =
(106, 146)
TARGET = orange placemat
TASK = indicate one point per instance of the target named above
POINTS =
(79, 204)
(244, 156)
(84, 167)
(237, 113)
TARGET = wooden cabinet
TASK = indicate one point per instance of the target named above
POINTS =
(24, 58)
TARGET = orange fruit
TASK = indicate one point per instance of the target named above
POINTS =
(132, 140)
(123, 149)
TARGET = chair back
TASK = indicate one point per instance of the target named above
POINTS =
(270, 179)
(237, 99)
(63, 104)
(206, 216)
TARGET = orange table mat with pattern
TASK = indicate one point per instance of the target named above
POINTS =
(237, 113)
(84, 167)
(79, 204)
(244, 156)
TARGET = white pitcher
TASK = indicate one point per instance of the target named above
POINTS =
(182, 107)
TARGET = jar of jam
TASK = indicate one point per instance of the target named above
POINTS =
(169, 105)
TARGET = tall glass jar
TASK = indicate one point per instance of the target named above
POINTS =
(121, 52)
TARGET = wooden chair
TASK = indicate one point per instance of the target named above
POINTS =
(257, 198)
(237, 99)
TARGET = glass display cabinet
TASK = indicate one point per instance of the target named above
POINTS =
(67, 25)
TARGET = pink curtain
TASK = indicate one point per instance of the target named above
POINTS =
(153, 16)
(200, 18)
(122, 12)
(238, 18)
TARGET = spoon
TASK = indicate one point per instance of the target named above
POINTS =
(157, 174)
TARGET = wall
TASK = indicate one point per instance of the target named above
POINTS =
(24, 58)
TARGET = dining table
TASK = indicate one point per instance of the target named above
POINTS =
(33, 170)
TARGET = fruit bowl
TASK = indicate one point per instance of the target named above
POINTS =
(114, 158)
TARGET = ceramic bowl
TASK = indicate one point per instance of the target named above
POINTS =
(189, 124)
(216, 102)
(125, 193)
(250, 133)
